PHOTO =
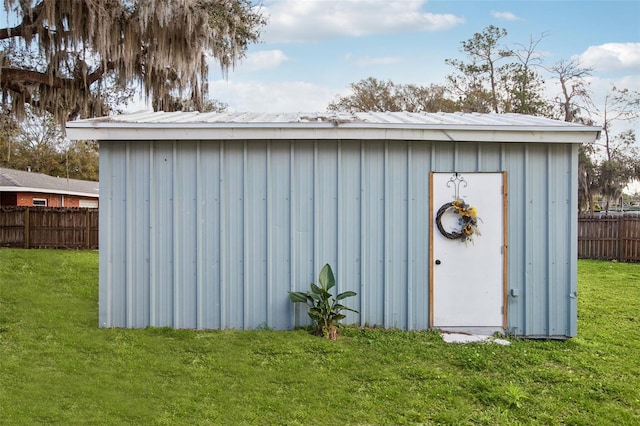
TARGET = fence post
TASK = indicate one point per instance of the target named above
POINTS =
(88, 229)
(27, 231)
(621, 256)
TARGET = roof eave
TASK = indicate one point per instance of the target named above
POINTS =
(329, 131)
(48, 191)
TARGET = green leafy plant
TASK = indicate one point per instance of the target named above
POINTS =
(324, 308)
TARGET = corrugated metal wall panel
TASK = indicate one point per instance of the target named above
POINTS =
(349, 223)
(515, 163)
(536, 191)
(541, 258)
(137, 242)
(418, 271)
(233, 231)
(280, 236)
(209, 244)
(396, 236)
(209, 234)
(302, 207)
(372, 293)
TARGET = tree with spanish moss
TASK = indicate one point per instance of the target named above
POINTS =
(64, 57)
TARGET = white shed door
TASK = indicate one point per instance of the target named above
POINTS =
(468, 277)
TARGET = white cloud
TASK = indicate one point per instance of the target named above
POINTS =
(264, 59)
(309, 20)
(612, 57)
(505, 16)
(364, 61)
(289, 96)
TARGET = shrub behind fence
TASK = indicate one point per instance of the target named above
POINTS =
(48, 227)
(612, 237)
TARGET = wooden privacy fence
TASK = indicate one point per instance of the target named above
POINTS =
(612, 237)
(599, 237)
(48, 227)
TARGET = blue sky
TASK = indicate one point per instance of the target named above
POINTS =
(311, 50)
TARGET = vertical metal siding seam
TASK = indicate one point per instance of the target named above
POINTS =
(292, 227)
(526, 241)
(176, 237)
(572, 302)
(410, 237)
(316, 225)
(223, 235)
(432, 155)
(339, 218)
(199, 239)
(432, 161)
(503, 169)
(152, 240)
(128, 251)
(109, 236)
(505, 248)
(549, 219)
(385, 255)
(363, 310)
(430, 249)
(268, 219)
(245, 240)
(455, 157)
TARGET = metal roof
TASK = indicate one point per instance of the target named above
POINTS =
(331, 125)
(19, 180)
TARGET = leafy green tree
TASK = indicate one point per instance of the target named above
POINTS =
(64, 56)
(478, 81)
(620, 156)
(371, 94)
(36, 144)
(524, 85)
(80, 160)
(620, 166)
(432, 98)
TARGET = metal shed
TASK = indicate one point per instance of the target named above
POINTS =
(208, 220)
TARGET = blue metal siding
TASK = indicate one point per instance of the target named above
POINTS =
(162, 244)
(137, 242)
(212, 234)
(418, 243)
(209, 268)
(372, 293)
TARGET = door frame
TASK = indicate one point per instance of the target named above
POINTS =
(505, 246)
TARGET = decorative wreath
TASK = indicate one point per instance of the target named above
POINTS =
(468, 221)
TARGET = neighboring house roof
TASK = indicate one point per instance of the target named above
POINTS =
(22, 181)
(458, 127)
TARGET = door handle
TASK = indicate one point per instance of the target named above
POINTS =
(438, 261)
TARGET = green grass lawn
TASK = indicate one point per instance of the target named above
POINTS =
(56, 366)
